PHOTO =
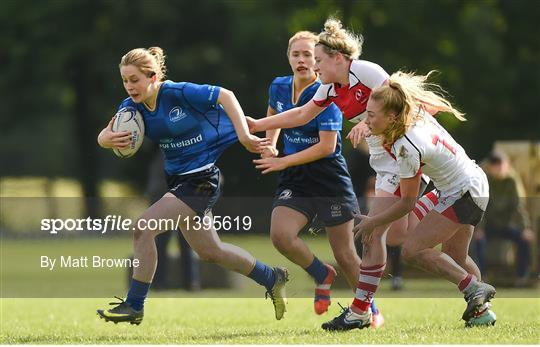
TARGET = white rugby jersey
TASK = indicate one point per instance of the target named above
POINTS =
(364, 76)
(429, 148)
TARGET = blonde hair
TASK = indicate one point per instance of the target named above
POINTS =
(335, 39)
(150, 61)
(302, 35)
(407, 95)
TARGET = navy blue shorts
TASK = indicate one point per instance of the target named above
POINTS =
(199, 190)
(322, 188)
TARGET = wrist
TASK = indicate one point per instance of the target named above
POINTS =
(243, 138)
(286, 161)
(372, 222)
(258, 125)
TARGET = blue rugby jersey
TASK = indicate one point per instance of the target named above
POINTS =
(299, 138)
(191, 129)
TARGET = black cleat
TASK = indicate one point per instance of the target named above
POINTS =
(123, 312)
(346, 321)
(476, 298)
(277, 293)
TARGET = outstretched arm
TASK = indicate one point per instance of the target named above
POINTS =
(409, 192)
(233, 109)
(358, 133)
(325, 147)
(292, 118)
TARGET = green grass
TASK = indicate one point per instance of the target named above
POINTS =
(21, 274)
(427, 311)
(250, 321)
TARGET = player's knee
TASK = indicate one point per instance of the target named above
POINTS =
(142, 231)
(140, 235)
(347, 257)
(396, 237)
(346, 261)
(209, 255)
(395, 240)
(281, 240)
(408, 253)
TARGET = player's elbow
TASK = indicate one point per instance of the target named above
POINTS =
(100, 139)
(303, 115)
(408, 203)
(328, 148)
(225, 94)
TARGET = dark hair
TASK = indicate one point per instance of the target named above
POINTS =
(496, 157)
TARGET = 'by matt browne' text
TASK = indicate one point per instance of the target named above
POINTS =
(86, 262)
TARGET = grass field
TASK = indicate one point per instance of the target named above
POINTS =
(241, 321)
(427, 311)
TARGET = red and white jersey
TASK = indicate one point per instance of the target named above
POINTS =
(364, 76)
(429, 148)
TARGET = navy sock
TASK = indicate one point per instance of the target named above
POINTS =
(137, 294)
(317, 270)
(374, 308)
(263, 274)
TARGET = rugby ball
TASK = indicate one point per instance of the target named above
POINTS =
(129, 119)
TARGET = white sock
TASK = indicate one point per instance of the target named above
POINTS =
(355, 316)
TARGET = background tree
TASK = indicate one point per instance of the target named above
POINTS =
(60, 80)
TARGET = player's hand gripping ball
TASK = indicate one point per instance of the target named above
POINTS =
(129, 119)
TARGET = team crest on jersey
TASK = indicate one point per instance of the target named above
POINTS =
(403, 152)
(361, 96)
(358, 94)
(393, 180)
(335, 210)
(177, 114)
(279, 106)
(286, 194)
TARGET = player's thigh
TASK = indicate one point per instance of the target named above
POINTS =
(398, 231)
(381, 201)
(200, 233)
(378, 204)
(164, 215)
(286, 222)
(434, 229)
(198, 230)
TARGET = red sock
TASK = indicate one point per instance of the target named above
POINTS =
(368, 282)
(466, 283)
